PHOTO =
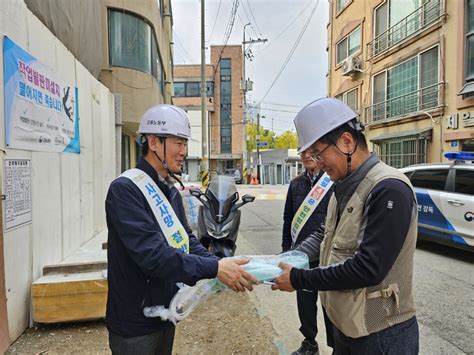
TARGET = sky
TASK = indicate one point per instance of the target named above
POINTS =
(279, 21)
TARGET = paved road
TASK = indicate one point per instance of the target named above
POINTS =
(444, 283)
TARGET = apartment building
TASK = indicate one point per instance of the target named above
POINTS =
(224, 106)
(407, 68)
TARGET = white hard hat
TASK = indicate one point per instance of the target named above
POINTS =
(165, 120)
(319, 118)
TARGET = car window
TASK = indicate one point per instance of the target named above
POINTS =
(434, 179)
(464, 181)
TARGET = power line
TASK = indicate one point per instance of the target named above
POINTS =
(215, 21)
(276, 119)
(255, 21)
(230, 26)
(279, 104)
(220, 125)
(178, 41)
(286, 28)
(230, 23)
(292, 51)
(249, 20)
(270, 109)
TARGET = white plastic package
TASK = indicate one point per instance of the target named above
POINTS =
(262, 267)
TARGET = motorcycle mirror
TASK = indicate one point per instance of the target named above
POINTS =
(248, 198)
(195, 192)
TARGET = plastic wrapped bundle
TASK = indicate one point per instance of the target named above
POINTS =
(262, 267)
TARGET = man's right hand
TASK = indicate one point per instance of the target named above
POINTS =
(231, 274)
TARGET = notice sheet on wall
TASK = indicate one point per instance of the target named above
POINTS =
(17, 191)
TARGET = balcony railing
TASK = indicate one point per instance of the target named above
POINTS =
(424, 16)
(395, 108)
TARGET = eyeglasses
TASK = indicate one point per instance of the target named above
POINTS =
(318, 157)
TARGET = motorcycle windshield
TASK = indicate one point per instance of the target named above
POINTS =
(222, 195)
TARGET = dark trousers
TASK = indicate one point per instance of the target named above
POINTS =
(158, 343)
(307, 309)
(329, 329)
(401, 338)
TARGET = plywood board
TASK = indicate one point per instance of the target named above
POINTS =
(69, 297)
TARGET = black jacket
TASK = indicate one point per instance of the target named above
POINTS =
(388, 213)
(142, 268)
(299, 188)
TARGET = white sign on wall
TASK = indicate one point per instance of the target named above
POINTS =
(17, 191)
(41, 110)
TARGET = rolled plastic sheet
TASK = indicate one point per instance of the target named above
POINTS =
(262, 267)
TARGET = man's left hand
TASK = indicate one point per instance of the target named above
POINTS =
(283, 282)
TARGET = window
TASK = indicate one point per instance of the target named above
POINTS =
(125, 152)
(138, 152)
(350, 98)
(225, 92)
(210, 88)
(348, 46)
(464, 181)
(408, 87)
(226, 106)
(434, 179)
(132, 44)
(467, 145)
(225, 64)
(340, 4)
(401, 152)
(470, 40)
(192, 89)
(468, 89)
(396, 20)
(180, 89)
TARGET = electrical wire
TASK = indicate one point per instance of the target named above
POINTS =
(249, 20)
(230, 26)
(254, 20)
(215, 21)
(178, 41)
(279, 104)
(292, 51)
(270, 109)
(285, 29)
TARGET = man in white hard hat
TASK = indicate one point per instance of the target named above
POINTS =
(366, 257)
(150, 245)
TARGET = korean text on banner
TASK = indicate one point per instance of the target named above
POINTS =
(41, 110)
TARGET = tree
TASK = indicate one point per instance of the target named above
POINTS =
(266, 135)
(287, 139)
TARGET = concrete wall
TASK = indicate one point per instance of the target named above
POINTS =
(77, 24)
(68, 190)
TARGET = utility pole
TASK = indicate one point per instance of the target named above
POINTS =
(258, 148)
(273, 136)
(204, 128)
(246, 87)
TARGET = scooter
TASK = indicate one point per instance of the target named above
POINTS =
(219, 215)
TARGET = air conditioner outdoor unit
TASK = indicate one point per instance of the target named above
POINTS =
(351, 65)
